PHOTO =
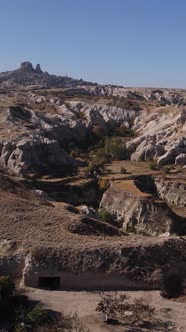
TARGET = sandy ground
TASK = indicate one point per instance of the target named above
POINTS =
(169, 313)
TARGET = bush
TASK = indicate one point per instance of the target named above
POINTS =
(38, 315)
(105, 215)
(94, 169)
(6, 286)
(172, 284)
(116, 148)
(115, 306)
(102, 156)
(123, 170)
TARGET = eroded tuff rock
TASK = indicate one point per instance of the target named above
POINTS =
(26, 76)
(30, 155)
(124, 267)
(140, 212)
(173, 191)
(160, 136)
(42, 136)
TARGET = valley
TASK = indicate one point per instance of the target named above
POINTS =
(92, 183)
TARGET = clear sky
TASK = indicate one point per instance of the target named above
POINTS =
(124, 42)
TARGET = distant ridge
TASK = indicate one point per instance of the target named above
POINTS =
(26, 76)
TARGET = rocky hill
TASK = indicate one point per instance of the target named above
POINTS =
(27, 76)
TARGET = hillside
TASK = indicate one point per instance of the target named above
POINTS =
(27, 76)
(92, 182)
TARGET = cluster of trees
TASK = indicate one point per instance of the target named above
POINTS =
(109, 149)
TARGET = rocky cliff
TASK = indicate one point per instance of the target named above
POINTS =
(141, 212)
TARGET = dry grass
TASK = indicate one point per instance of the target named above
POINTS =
(129, 186)
(31, 221)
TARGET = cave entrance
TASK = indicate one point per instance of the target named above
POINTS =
(49, 282)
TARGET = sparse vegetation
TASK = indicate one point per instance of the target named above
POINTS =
(118, 306)
(38, 316)
(110, 149)
(105, 215)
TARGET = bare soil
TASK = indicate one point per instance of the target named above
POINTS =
(169, 314)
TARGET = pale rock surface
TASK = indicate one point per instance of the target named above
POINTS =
(173, 192)
(29, 154)
(140, 214)
(161, 135)
(181, 159)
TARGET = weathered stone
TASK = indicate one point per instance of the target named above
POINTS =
(181, 159)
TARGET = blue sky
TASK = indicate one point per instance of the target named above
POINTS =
(124, 42)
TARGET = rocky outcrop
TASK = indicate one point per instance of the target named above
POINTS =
(32, 155)
(160, 136)
(26, 76)
(105, 268)
(173, 191)
(73, 192)
(140, 212)
(147, 151)
(42, 145)
(27, 67)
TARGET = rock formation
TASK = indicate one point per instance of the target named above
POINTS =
(140, 212)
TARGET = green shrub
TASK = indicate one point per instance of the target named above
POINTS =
(6, 286)
(37, 316)
(105, 215)
(116, 148)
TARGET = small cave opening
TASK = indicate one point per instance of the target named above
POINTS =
(52, 283)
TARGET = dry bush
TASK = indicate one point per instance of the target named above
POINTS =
(118, 306)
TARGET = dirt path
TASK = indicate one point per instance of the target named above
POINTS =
(84, 304)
